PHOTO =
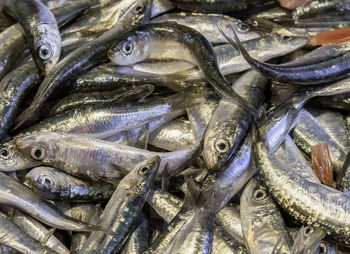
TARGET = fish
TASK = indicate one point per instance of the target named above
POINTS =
(41, 31)
(187, 44)
(175, 135)
(207, 24)
(39, 232)
(138, 239)
(315, 73)
(82, 58)
(123, 94)
(11, 235)
(88, 213)
(123, 208)
(308, 240)
(21, 197)
(230, 123)
(53, 184)
(107, 119)
(101, 160)
(216, 6)
(262, 223)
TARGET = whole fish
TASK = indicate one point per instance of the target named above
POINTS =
(123, 208)
(100, 160)
(229, 59)
(56, 185)
(21, 197)
(41, 30)
(106, 120)
(84, 57)
(187, 44)
(230, 123)
(315, 73)
(262, 224)
(11, 235)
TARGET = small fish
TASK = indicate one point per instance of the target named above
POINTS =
(123, 208)
(56, 185)
(187, 44)
(262, 223)
(83, 58)
(41, 30)
(308, 240)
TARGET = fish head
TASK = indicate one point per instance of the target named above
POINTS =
(134, 49)
(220, 142)
(139, 180)
(12, 158)
(45, 180)
(47, 49)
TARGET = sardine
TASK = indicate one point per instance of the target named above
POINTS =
(56, 185)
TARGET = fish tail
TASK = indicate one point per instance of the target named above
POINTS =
(101, 228)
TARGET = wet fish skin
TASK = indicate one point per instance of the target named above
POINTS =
(262, 224)
(86, 212)
(21, 197)
(123, 208)
(230, 123)
(308, 240)
(123, 94)
(187, 44)
(173, 136)
(279, 179)
(106, 120)
(12, 236)
(217, 6)
(316, 73)
(138, 240)
(207, 24)
(84, 57)
(56, 185)
(39, 232)
(41, 31)
(101, 160)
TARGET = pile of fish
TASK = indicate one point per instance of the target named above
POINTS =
(174, 126)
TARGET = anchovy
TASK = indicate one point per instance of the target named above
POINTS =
(84, 57)
(21, 197)
(41, 31)
(123, 208)
(186, 43)
(56, 185)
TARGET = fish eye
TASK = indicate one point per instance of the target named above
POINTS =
(260, 195)
(127, 48)
(242, 28)
(5, 153)
(323, 248)
(222, 146)
(145, 170)
(140, 9)
(307, 230)
(44, 52)
(38, 153)
(47, 182)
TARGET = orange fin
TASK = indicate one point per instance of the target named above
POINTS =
(332, 37)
